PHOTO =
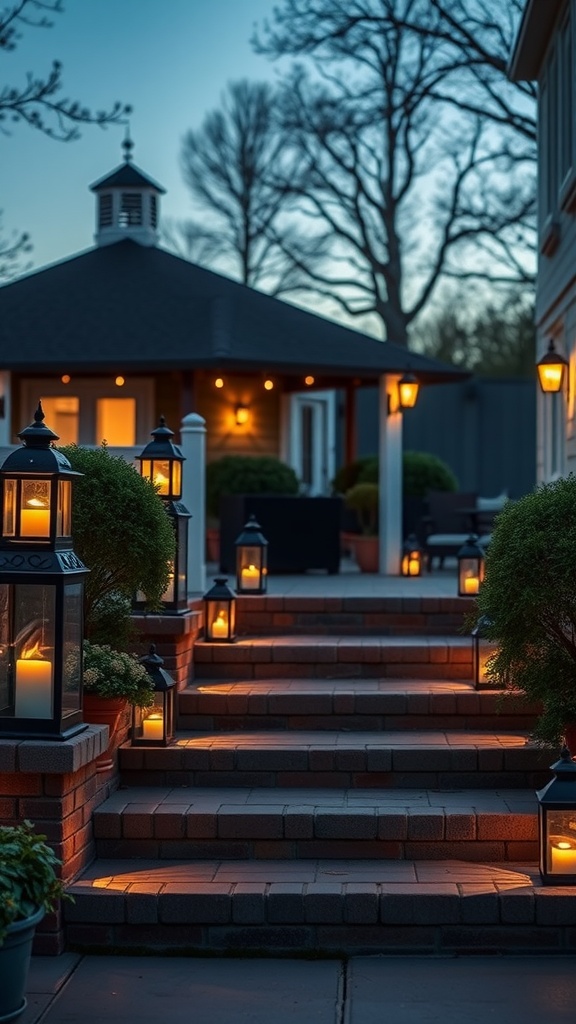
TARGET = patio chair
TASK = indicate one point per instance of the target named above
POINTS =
(446, 526)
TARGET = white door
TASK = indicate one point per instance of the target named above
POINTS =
(310, 433)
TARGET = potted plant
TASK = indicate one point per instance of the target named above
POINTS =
(363, 499)
(529, 598)
(112, 680)
(29, 887)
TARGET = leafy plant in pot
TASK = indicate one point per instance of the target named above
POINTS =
(29, 888)
(363, 499)
(113, 680)
(529, 599)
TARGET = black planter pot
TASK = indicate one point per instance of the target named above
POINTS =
(302, 533)
(15, 953)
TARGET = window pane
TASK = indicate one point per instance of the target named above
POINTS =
(61, 412)
(116, 421)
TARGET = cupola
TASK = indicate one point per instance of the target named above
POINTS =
(127, 204)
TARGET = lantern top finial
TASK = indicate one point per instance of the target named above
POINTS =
(162, 447)
(38, 435)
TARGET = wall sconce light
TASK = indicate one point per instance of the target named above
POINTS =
(408, 388)
(470, 567)
(557, 823)
(242, 415)
(551, 369)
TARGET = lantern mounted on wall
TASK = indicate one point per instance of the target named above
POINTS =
(41, 592)
(483, 650)
(412, 557)
(408, 388)
(161, 461)
(557, 823)
(551, 369)
(220, 612)
(470, 567)
(251, 559)
(154, 726)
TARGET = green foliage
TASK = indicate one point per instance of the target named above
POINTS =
(529, 596)
(111, 673)
(247, 474)
(422, 472)
(28, 879)
(363, 498)
(122, 534)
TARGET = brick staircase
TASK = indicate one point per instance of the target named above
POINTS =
(341, 790)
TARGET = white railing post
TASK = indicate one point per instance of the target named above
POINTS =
(193, 445)
(390, 459)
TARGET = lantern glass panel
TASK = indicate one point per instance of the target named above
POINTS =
(221, 616)
(250, 566)
(484, 650)
(64, 519)
(561, 842)
(176, 479)
(6, 677)
(161, 476)
(146, 468)
(153, 721)
(71, 649)
(35, 508)
(9, 523)
(411, 563)
(408, 392)
(168, 595)
(470, 574)
(33, 658)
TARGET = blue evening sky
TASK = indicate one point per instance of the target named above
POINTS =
(170, 59)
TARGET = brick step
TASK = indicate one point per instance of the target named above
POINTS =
(390, 760)
(394, 616)
(317, 907)
(245, 824)
(352, 704)
(335, 657)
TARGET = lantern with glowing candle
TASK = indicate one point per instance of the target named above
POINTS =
(483, 649)
(557, 823)
(251, 559)
(551, 369)
(41, 592)
(408, 388)
(470, 567)
(154, 726)
(411, 562)
(220, 612)
(161, 461)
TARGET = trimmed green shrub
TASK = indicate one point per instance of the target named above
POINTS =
(247, 474)
(422, 472)
(529, 599)
(363, 498)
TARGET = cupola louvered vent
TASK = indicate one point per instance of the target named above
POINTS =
(153, 211)
(105, 211)
(131, 209)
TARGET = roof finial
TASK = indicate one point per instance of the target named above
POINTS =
(127, 145)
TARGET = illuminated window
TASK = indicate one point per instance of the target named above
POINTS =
(62, 413)
(116, 421)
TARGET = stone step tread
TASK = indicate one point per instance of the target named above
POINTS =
(323, 687)
(308, 739)
(408, 603)
(323, 648)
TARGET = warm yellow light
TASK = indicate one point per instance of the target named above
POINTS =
(219, 383)
(309, 380)
(119, 382)
(551, 369)
(242, 415)
(408, 388)
(220, 625)
(65, 378)
(268, 384)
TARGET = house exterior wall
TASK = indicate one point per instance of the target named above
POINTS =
(259, 436)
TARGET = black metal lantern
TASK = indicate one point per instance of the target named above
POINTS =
(408, 388)
(251, 560)
(220, 612)
(470, 567)
(551, 369)
(411, 562)
(154, 726)
(482, 650)
(41, 592)
(557, 823)
(161, 461)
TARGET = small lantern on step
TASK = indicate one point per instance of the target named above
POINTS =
(154, 726)
(220, 613)
(470, 567)
(411, 564)
(557, 824)
(251, 560)
(482, 650)
(41, 593)
(161, 461)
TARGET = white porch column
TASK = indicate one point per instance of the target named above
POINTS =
(193, 445)
(390, 456)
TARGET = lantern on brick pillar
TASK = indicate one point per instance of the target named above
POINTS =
(41, 592)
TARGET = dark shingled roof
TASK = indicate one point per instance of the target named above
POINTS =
(126, 176)
(145, 309)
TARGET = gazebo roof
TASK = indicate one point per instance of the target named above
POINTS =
(141, 308)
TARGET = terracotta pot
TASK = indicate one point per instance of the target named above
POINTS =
(213, 544)
(366, 552)
(104, 711)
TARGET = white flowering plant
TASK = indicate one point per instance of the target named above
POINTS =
(115, 674)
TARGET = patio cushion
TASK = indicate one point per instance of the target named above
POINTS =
(492, 504)
(446, 538)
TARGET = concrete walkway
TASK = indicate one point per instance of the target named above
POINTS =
(365, 990)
